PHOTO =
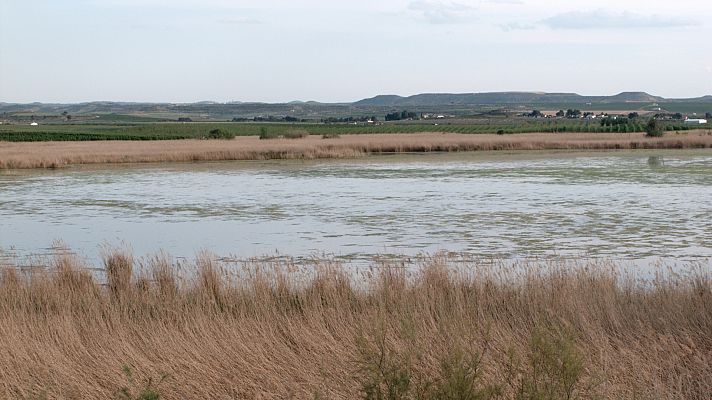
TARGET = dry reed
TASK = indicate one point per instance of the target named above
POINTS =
(58, 154)
(442, 330)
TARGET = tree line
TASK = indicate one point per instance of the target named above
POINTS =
(397, 116)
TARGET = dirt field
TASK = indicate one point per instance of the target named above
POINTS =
(58, 154)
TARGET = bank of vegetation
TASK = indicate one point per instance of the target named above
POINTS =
(296, 144)
(444, 329)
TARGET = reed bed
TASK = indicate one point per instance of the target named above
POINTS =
(445, 329)
(58, 154)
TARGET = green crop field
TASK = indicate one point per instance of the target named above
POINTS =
(172, 130)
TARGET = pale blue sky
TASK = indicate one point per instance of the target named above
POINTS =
(275, 50)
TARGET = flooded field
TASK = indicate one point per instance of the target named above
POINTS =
(634, 205)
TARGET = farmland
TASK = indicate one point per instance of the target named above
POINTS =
(503, 113)
(197, 130)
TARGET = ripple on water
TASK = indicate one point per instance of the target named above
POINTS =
(628, 205)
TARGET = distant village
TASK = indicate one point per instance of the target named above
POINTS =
(603, 116)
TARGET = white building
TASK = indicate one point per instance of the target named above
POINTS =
(34, 124)
(697, 121)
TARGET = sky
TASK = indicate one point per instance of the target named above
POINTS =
(341, 51)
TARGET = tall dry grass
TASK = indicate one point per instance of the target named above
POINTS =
(58, 154)
(444, 330)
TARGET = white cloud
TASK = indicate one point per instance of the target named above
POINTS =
(602, 19)
(439, 12)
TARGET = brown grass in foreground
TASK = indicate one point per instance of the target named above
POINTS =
(268, 331)
(57, 154)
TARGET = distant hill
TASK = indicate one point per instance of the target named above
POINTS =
(427, 99)
(432, 99)
(634, 97)
(378, 105)
(703, 99)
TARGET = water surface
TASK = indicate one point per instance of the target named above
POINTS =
(636, 206)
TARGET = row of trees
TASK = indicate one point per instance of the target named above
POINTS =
(613, 121)
(397, 116)
(675, 116)
(570, 113)
(270, 118)
(332, 120)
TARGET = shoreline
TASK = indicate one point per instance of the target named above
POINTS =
(32, 155)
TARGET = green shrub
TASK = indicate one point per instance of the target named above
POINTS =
(295, 134)
(461, 378)
(220, 134)
(264, 134)
(148, 391)
(383, 373)
(653, 128)
(556, 368)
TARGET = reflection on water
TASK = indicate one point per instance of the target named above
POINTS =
(656, 161)
(627, 205)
